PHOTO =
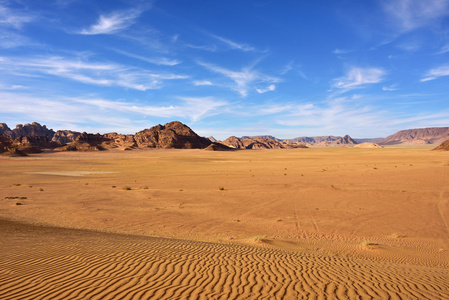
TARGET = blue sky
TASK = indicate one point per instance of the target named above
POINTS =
(284, 68)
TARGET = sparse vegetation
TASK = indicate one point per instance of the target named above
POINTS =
(126, 188)
(221, 188)
(369, 244)
(397, 235)
(18, 203)
(278, 220)
(16, 184)
(41, 190)
(114, 186)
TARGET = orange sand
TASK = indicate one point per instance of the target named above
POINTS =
(192, 224)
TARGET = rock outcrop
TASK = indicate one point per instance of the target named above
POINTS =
(325, 141)
(259, 143)
(171, 135)
(4, 129)
(65, 136)
(444, 146)
(8, 147)
(433, 135)
(33, 129)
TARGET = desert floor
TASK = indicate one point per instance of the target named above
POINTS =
(318, 223)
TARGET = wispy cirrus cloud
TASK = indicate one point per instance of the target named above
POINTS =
(234, 45)
(122, 116)
(112, 23)
(193, 108)
(243, 80)
(444, 49)
(436, 73)
(269, 88)
(202, 82)
(358, 77)
(13, 18)
(96, 73)
(408, 15)
(153, 60)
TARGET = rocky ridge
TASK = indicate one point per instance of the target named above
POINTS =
(259, 143)
(420, 136)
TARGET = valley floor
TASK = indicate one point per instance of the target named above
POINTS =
(191, 224)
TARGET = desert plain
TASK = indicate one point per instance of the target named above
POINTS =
(319, 223)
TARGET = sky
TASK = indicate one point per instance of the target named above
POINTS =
(226, 68)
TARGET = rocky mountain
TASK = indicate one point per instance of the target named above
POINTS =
(433, 135)
(443, 146)
(369, 140)
(325, 140)
(4, 129)
(65, 136)
(259, 143)
(171, 135)
(265, 137)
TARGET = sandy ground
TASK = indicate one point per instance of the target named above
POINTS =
(191, 224)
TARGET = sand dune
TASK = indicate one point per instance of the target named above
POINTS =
(282, 224)
(52, 263)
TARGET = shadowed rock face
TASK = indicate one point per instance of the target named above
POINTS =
(171, 135)
(443, 146)
(4, 129)
(433, 135)
(325, 140)
(259, 143)
(65, 136)
(33, 129)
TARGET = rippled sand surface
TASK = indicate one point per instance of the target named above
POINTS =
(191, 224)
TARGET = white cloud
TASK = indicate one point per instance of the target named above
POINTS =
(193, 108)
(436, 73)
(163, 61)
(13, 18)
(359, 77)
(112, 23)
(244, 79)
(411, 14)
(390, 88)
(202, 82)
(97, 73)
(269, 88)
(234, 45)
(341, 51)
(444, 49)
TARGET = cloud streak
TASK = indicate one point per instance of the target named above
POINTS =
(96, 73)
(244, 79)
(234, 45)
(408, 15)
(12, 18)
(358, 77)
(112, 23)
(435, 73)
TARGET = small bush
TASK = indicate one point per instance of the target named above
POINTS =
(126, 188)
(221, 188)
(18, 203)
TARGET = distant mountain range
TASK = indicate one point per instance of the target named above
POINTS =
(34, 137)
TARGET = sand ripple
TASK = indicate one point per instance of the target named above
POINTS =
(52, 263)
